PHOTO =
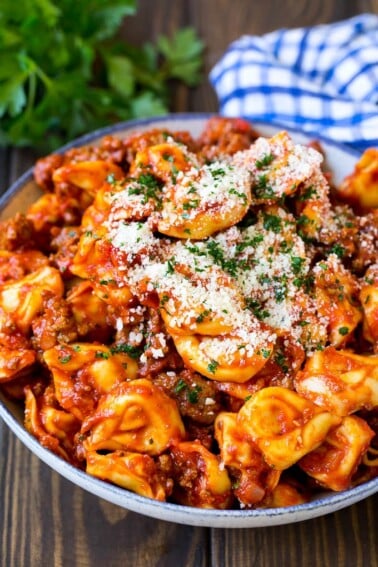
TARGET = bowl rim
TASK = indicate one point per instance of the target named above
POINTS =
(231, 518)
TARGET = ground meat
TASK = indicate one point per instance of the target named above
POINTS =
(64, 245)
(16, 265)
(196, 397)
(55, 325)
(202, 433)
(17, 234)
(367, 243)
(226, 136)
(44, 169)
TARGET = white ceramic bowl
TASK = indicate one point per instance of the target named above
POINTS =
(341, 161)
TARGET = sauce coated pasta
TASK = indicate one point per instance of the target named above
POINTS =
(196, 320)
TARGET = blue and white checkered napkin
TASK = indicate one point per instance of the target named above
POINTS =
(321, 79)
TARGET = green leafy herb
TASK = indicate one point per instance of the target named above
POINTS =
(343, 331)
(265, 352)
(171, 262)
(307, 194)
(132, 351)
(63, 71)
(181, 385)
(262, 190)
(338, 250)
(202, 316)
(297, 264)
(148, 187)
(102, 354)
(212, 366)
(64, 359)
(272, 222)
(264, 161)
(193, 394)
(280, 359)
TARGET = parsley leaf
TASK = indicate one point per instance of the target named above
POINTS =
(82, 76)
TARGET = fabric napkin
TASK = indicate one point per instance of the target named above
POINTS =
(321, 79)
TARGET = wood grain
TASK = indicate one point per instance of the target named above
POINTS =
(344, 539)
(45, 521)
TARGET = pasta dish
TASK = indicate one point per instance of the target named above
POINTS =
(196, 319)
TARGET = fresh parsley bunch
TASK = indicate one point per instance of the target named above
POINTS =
(63, 71)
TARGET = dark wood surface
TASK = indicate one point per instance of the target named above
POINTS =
(47, 521)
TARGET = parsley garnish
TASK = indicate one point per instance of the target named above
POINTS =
(338, 250)
(272, 222)
(107, 282)
(181, 385)
(193, 394)
(264, 161)
(262, 190)
(64, 359)
(102, 354)
(241, 196)
(132, 351)
(297, 264)
(203, 315)
(307, 194)
(217, 173)
(193, 204)
(257, 309)
(343, 331)
(212, 366)
(280, 359)
(171, 265)
(148, 187)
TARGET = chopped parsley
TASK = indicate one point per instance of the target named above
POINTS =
(257, 309)
(264, 161)
(102, 354)
(212, 366)
(265, 352)
(241, 196)
(307, 194)
(272, 222)
(131, 350)
(203, 316)
(217, 173)
(215, 251)
(253, 242)
(338, 250)
(180, 386)
(193, 394)
(262, 189)
(297, 264)
(343, 331)
(107, 282)
(64, 359)
(148, 187)
(171, 262)
(193, 204)
(280, 359)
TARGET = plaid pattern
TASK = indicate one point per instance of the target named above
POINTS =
(321, 79)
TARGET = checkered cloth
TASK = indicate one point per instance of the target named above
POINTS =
(321, 79)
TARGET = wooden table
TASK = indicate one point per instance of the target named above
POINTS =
(45, 520)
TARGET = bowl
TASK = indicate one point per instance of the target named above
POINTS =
(20, 195)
